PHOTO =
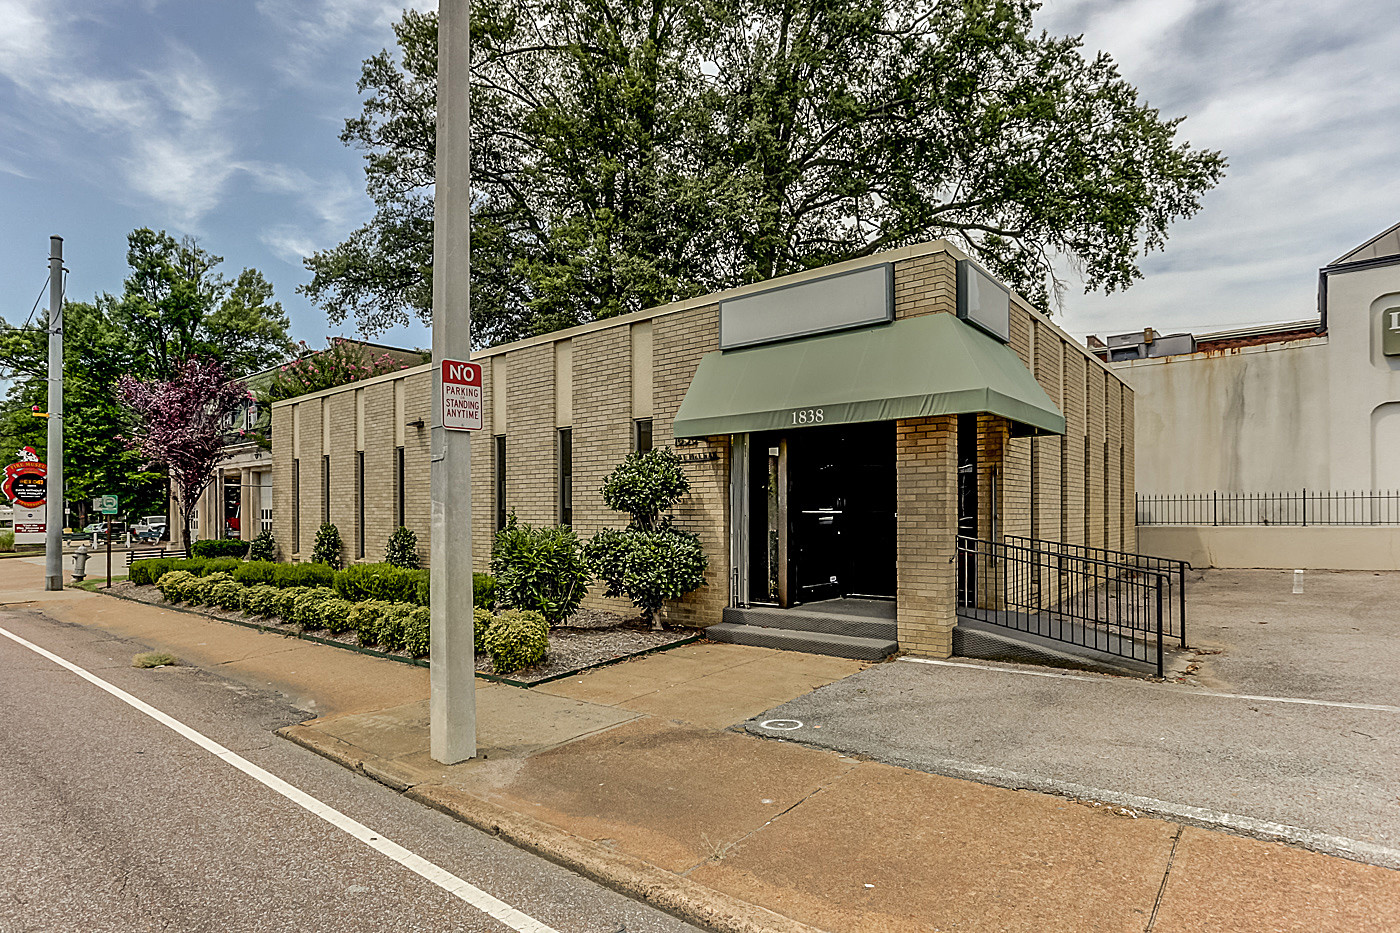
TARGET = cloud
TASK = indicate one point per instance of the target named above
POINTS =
(1296, 94)
(318, 30)
(332, 205)
(165, 126)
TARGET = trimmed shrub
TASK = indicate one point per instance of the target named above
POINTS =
(417, 631)
(173, 584)
(200, 592)
(518, 638)
(147, 572)
(254, 572)
(226, 595)
(335, 615)
(483, 591)
(360, 582)
(219, 548)
(294, 575)
(540, 569)
(481, 621)
(649, 561)
(7, 540)
(261, 600)
(286, 601)
(402, 549)
(391, 630)
(306, 608)
(218, 565)
(328, 546)
(647, 567)
(264, 547)
(364, 620)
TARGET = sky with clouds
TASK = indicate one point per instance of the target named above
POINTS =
(222, 120)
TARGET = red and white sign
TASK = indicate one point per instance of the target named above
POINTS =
(461, 395)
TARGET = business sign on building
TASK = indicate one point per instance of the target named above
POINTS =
(983, 301)
(26, 484)
(461, 395)
(1390, 331)
(815, 306)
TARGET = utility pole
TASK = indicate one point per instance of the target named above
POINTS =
(452, 668)
(53, 527)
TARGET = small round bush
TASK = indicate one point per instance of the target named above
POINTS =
(306, 608)
(482, 618)
(364, 620)
(261, 600)
(542, 569)
(335, 615)
(392, 626)
(226, 595)
(200, 592)
(518, 638)
(417, 631)
(174, 583)
(286, 601)
(254, 572)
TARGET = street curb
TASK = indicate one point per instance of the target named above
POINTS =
(626, 874)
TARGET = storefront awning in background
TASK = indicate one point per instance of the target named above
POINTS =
(928, 365)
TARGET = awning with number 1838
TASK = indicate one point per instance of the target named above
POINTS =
(934, 364)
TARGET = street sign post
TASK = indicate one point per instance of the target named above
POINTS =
(107, 505)
(461, 395)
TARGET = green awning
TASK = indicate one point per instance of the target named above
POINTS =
(928, 365)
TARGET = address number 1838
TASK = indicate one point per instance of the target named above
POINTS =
(808, 416)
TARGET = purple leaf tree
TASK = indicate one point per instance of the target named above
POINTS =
(181, 423)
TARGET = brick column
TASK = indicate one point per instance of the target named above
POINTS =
(926, 456)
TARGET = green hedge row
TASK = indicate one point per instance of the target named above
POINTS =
(220, 548)
(514, 639)
(357, 583)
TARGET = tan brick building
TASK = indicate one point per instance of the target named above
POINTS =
(837, 426)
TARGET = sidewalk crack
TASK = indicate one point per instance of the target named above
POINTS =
(721, 851)
(1171, 857)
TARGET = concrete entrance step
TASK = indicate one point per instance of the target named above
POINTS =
(973, 638)
(813, 620)
(839, 646)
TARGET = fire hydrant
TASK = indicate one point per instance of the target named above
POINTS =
(80, 557)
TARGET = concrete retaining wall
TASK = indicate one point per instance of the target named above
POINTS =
(1321, 547)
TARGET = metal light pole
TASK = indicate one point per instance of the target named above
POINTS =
(452, 707)
(53, 528)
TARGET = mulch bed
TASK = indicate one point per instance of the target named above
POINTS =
(590, 638)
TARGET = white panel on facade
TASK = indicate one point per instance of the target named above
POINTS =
(564, 384)
(641, 370)
(834, 302)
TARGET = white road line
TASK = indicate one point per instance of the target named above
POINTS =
(1197, 691)
(441, 877)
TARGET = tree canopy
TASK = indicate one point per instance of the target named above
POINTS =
(172, 306)
(631, 152)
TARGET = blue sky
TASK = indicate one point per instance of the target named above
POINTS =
(222, 119)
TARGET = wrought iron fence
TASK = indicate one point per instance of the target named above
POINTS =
(1297, 507)
(1114, 602)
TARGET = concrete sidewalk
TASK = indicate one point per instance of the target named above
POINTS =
(631, 775)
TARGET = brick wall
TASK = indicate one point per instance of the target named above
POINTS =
(1044, 487)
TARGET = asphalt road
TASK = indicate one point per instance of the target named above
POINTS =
(110, 821)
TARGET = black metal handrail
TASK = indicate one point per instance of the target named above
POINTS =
(1174, 624)
(1111, 602)
(1293, 507)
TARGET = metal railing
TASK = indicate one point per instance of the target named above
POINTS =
(1113, 602)
(1297, 507)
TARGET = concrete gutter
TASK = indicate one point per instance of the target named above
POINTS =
(628, 875)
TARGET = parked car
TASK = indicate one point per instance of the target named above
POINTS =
(148, 534)
(100, 528)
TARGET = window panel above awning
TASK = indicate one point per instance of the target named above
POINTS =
(928, 365)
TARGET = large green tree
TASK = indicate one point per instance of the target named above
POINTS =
(172, 306)
(633, 152)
